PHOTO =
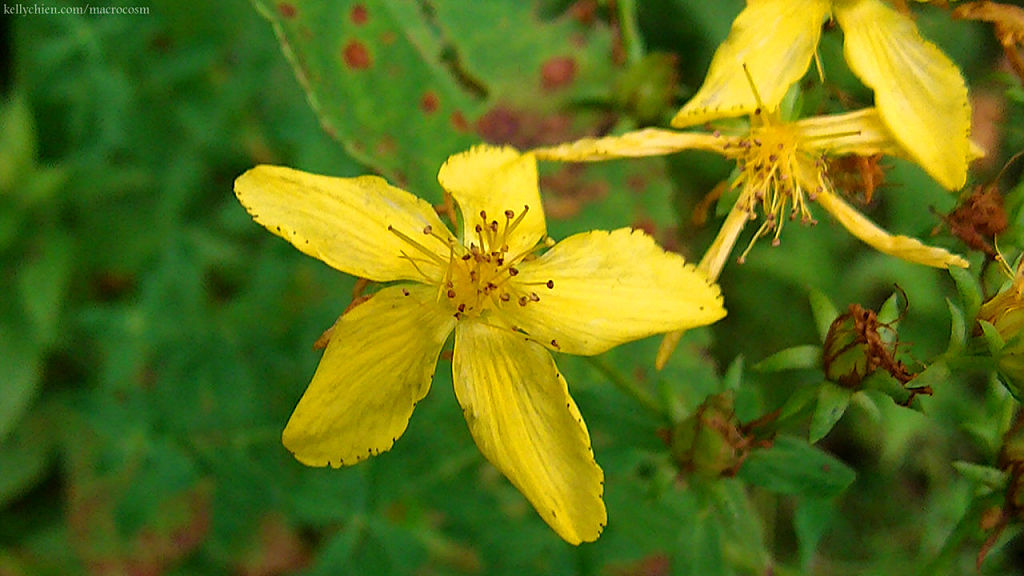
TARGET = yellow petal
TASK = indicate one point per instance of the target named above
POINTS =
(919, 91)
(344, 222)
(520, 413)
(493, 180)
(646, 142)
(860, 132)
(775, 39)
(904, 247)
(609, 288)
(377, 366)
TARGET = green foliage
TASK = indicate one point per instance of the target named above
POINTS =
(153, 339)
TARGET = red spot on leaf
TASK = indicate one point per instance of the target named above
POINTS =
(459, 122)
(557, 72)
(358, 15)
(429, 102)
(500, 125)
(356, 56)
(637, 183)
(523, 129)
(568, 191)
(584, 11)
(386, 146)
(286, 10)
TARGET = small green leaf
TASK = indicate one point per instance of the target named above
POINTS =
(43, 283)
(810, 521)
(800, 399)
(832, 403)
(700, 545)
(992, 478)
(969, 289)
(870, 401)
(733, 375)
(792, 466)
(889, 312)
(957, 329)
(824, 312)
(24, 457)
(937, 377)
(19, 376)
(795, 358)
(994, 341)
(17, 143)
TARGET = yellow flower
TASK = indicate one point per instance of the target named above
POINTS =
(921, 113)
(919, 92)
(781, 168)
(507, 303)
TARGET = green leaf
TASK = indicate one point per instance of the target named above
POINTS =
(43, 283)
(889, 313)
(733, 375)
(810, 522)
(987, 476)
(337, 552)
(957, 329)
(374, 76)
(700, 542)
(24, 457)
(19, 376)
(993, 339)
(403, 85)
(792, 466)
(795, 358)
(939, 378)
(969, 289)
(824, 312)
(798, 401)
(871, 402)
(17, 142)
(832, 403)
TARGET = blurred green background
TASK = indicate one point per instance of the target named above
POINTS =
(153, 339)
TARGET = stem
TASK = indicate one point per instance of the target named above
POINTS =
(632, 43)
(627, 385)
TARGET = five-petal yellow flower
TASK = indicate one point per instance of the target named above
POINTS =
(921, 112)
(919, 92)
(507, 299)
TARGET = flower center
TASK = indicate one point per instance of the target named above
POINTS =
(480, 271)
(480, 274)
(776, 174)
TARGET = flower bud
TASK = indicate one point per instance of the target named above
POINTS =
(854, 349)
(710, 443)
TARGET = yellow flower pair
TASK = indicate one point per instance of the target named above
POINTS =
(510, 294)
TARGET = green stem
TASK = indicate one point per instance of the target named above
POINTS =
(632, 43)
(628, 386)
